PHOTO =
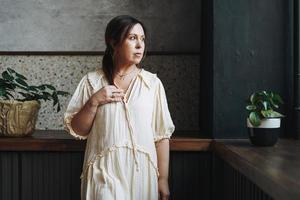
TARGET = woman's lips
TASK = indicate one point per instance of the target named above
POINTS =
(138, 54)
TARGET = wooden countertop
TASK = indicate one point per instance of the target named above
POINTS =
(275, 169)
(60, 140)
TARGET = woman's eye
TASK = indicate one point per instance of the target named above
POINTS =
(134, 37)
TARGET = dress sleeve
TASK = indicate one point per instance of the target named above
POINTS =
(162, 123)
(79, 98)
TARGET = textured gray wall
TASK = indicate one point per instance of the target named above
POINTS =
(74, 25)
(179, 74)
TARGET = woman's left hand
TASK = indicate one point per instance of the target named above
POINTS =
(163, 189)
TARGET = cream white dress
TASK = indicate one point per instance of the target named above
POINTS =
(120, 161)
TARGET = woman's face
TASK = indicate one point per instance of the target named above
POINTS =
(131, 51)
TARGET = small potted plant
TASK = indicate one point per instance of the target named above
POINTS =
(263, 121)
(20, 103)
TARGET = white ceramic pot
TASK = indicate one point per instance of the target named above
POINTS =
(266, 134)
(266, 123)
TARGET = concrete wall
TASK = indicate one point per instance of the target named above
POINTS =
(74, 25)
(173, 26)
(65, 72)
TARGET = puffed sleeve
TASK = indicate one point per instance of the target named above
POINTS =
(162, 123)
(79, 98)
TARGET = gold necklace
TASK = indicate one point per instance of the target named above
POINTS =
(122, 76)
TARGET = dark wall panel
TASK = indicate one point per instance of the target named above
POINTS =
(190, 175)
(230, 184)
(51, 175)
(249, 55)
(9, 176)
(56, 175)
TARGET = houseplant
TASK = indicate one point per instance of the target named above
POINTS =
(20, 103)
(263, 121)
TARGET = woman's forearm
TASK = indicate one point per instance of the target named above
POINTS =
(83, 120)
(162, 150)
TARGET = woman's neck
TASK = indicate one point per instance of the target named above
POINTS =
(124, 69)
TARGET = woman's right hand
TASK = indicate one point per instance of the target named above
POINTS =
(107, 94)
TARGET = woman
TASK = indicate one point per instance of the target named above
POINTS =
(122, 111)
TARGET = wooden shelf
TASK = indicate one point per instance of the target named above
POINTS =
(274, 169)
(60, 140)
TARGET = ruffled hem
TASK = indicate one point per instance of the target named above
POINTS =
(164, 134)
(69, 129)
(158, 138)
(114, 148)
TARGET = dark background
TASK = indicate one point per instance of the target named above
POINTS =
(246, 47)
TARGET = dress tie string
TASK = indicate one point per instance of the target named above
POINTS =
(131, 137)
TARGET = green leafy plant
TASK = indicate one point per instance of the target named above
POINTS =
(261, 105)
(13, 83)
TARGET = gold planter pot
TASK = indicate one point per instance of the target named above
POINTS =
(17, 118)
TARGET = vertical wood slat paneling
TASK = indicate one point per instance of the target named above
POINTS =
(177, 175)
(190, 175)
(236, 185)
(56, 175)
(51, 175)
(218, 189)
(9, 173)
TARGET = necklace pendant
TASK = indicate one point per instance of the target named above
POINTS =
(122, 76)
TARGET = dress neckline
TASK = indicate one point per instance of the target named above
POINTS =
(129, 89)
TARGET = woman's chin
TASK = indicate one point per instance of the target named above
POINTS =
(137, 61)
(134, 61)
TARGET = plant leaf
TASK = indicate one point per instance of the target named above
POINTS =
(55, 99)
(277, 98)
(21, 76)
(22, 82)
(49, 86)
(26, 96)
(7, 76)
(11, 81)
(265, 104)
(273, 103)
(63, 93)
(251, 107)
(32, 88)
(11, 70)
(264, 93)
(271, 114)
(41, 87)
(254, 119)
(253, 98)
(8, 94)
(2, 92)
(58, 107)
(46, 96)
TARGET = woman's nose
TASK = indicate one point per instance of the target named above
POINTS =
(138, 44)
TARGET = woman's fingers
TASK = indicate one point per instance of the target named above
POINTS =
(113, 94)
(114, 99)
(117, 90)
(117, 95)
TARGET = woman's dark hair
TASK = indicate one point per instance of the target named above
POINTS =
(116, 31)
